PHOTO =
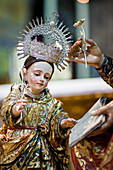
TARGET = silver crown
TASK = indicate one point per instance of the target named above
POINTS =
(55, 52)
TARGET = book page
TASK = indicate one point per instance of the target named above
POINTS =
(86, 125)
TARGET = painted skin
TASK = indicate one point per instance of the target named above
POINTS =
(38, 76)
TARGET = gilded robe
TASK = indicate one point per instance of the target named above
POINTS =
(96, 153)
(36, 140)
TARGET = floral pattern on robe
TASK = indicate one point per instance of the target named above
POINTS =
(36, 141)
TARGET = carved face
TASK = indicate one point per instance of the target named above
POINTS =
(38, 76)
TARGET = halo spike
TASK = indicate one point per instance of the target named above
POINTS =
(69, 37)
(66, 30)
(37, 19)
(30, 24)
(67, 60)
(19, 49)
(64, 63)
(62, 27)
(19, 45)
(20, 38)
(34, 23)
(24, 30)
(57, 22)
(20, 54)
(28, 28)
(41, 21)
(68, 33)
(69, 41)
(61, 65)
(59, 68)
(60, 24)
(21, 57)
(19, 41)
(24, 34)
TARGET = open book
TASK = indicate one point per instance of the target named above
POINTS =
(87, 123)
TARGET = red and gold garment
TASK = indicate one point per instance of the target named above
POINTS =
(94, 153)
(36, 141)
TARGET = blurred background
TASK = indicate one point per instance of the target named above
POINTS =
(77, 87)
(14, 15)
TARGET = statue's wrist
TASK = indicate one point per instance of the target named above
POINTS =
(101, 63)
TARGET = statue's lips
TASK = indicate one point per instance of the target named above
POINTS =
(40, 84)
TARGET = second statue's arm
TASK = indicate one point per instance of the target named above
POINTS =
(104, 66)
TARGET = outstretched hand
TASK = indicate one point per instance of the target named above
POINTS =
(93, 53)
(108, 110)
(68, 123)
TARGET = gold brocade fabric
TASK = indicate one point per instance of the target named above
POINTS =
(36, 141)
(95, 153)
